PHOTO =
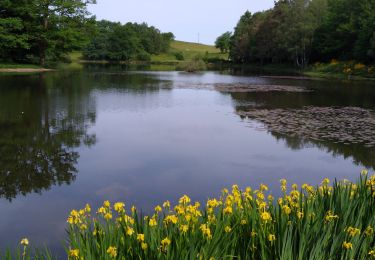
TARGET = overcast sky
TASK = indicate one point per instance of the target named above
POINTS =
(186, 19)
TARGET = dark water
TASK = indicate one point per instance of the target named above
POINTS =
(70, 138)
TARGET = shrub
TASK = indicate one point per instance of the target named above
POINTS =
(143, 56)
(179, 56)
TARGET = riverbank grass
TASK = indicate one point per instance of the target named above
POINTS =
(18, 66)
(341, 70)
(327, 222)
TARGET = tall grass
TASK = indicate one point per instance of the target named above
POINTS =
(325, 222)
(341, 69)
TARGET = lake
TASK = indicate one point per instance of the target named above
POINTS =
(74, 137)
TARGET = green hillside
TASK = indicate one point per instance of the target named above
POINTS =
(189, 51)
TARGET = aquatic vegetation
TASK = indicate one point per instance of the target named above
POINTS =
(326, 222)
(346, 125)
(236, 88)
(242, 88)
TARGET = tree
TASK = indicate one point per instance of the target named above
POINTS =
(283, 34)
(117, 42)
(223, 42)
(347, 31)
(60, 26)
(46, 29)
(14, 20)
(296, 32)
(12, 38)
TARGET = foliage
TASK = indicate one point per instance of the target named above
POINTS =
(348, 31)
(196, 64)
(327, 222)
(301, 31)
(347, 69)
(12, 37)
(223, 42)
(179, 55)
(117, 42)
(42, 30)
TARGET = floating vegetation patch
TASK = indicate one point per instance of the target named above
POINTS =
(258, 88)
(241, 87)
(347, 125)
(289, 77)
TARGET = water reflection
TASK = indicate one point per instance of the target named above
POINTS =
(278, 114)
(147, 137)
(39, 130)
(359, 154)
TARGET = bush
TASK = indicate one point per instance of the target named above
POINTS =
(179, 56)
(193, 66)
(143, 56)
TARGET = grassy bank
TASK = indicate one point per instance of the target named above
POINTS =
(327, 222)
(333, 70)
(19, 68)
(342, 70)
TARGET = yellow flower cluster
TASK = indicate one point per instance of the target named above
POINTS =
(164, 244)
(251, 210)
(112, 251)
(369, 231)
(359, 66)
(334, 62)
(24, 242)
(347, 245)
(73, 253)
(353, 231)
(271, 237)
(206, 231)
(330, 216)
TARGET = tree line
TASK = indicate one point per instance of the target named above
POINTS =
(46, 31)
(305, 31)
(116, 42)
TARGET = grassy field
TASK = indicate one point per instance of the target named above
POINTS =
(189, 51)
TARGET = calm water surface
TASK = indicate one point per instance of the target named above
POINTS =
(70, 138)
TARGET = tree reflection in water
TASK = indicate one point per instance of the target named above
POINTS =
(350, 141)
(40, 125)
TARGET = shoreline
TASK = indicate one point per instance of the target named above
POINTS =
(279, 72)
(23, 70)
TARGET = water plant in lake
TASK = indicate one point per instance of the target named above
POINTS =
(327, 222)
(347, 125)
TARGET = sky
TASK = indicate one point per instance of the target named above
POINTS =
(187, 20)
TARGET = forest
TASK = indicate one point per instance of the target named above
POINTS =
(117, 42)
(46, 32)
(301, 32)
(296, 32)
